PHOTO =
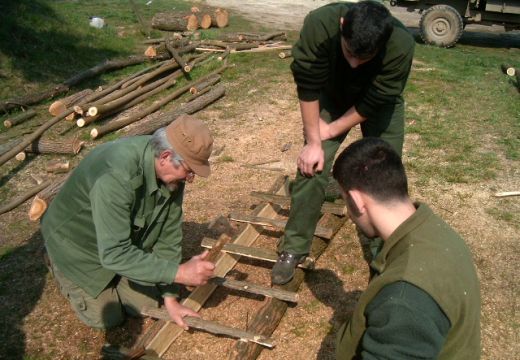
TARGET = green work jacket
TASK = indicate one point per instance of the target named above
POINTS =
(112, 218)
(321, 71)
(423, 251)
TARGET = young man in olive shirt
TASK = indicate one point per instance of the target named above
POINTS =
(113, 233)
(423, 301)
(350, 66)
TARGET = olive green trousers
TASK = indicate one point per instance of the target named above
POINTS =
(308, 193)
(109, 308)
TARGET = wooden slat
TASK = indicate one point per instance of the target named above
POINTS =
(285, 201)
(211, 327)
(320, 231)
(170, 331)
(249, 287)
(255, 253)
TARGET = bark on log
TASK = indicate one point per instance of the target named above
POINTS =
(23, 197)
(151, 125)
(8, 146)
(269, 316)
(48, 146)
(41, 201)
(116, 125)
(31, 137)
(212, 327)
(201, 85)
(18, 119)
(175, 21)
(184, 66)
(61, 105)
(62, 88)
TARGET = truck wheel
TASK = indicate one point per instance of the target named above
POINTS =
(441, 25)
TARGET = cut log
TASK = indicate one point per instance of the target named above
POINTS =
(48, 146)
(508, 69)
(61, 105)
(285, 54)
(269, 316)
(320, 231)
(255, 253)
(18, 119)
(204, 84)
(285, 201)
(149, 126)
(180, 61)
(41, 201)
(20, 156)
(24, 197)
(205, 21)
(172, 21)
(211, 327)
(220, 18)
(57, 167)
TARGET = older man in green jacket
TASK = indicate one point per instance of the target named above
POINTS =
(113, 233)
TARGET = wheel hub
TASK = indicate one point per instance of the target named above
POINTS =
(441, 27)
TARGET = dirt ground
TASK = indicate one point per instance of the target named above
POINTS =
(268, 128)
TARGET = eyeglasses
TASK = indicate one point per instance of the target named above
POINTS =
(189, 173)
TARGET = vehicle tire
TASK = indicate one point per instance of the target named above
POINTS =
(441, 25)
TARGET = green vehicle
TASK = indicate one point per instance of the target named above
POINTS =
(443, 21)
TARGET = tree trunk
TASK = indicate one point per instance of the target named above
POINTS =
(175, 21)
(47, 146)
(148, 127)
(220, 18)
(18, 119)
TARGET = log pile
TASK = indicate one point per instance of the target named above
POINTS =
(181, 21)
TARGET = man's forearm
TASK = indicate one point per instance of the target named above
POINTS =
(310, 111)
(345, 122)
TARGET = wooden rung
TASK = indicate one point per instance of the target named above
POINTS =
(256, 289)
(285, 201)
(254, 253)
(320, 231)
(114, 352)
(211, 327)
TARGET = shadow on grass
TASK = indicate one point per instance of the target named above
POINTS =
(22, 279)
(489, 39)
(43, 46)
(328, 289)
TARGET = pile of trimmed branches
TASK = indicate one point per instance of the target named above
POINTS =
(119, 104)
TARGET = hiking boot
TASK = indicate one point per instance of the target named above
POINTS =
(283, 270)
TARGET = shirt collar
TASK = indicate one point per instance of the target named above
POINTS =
(149, 170)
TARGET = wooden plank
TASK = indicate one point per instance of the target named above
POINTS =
(285, 201)
(170, 331)
(320, 231)
(251, 288)
(255, 253)
(211, 327)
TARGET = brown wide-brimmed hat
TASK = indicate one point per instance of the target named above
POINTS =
(191, 139)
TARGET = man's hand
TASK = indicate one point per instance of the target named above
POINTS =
(177, 311)
(311, 159)
(196, 271)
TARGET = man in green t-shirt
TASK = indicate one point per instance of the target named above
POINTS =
(423, 301)
(113, 233)
(351, 64)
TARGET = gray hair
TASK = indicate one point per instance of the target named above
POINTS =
(160, 143)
